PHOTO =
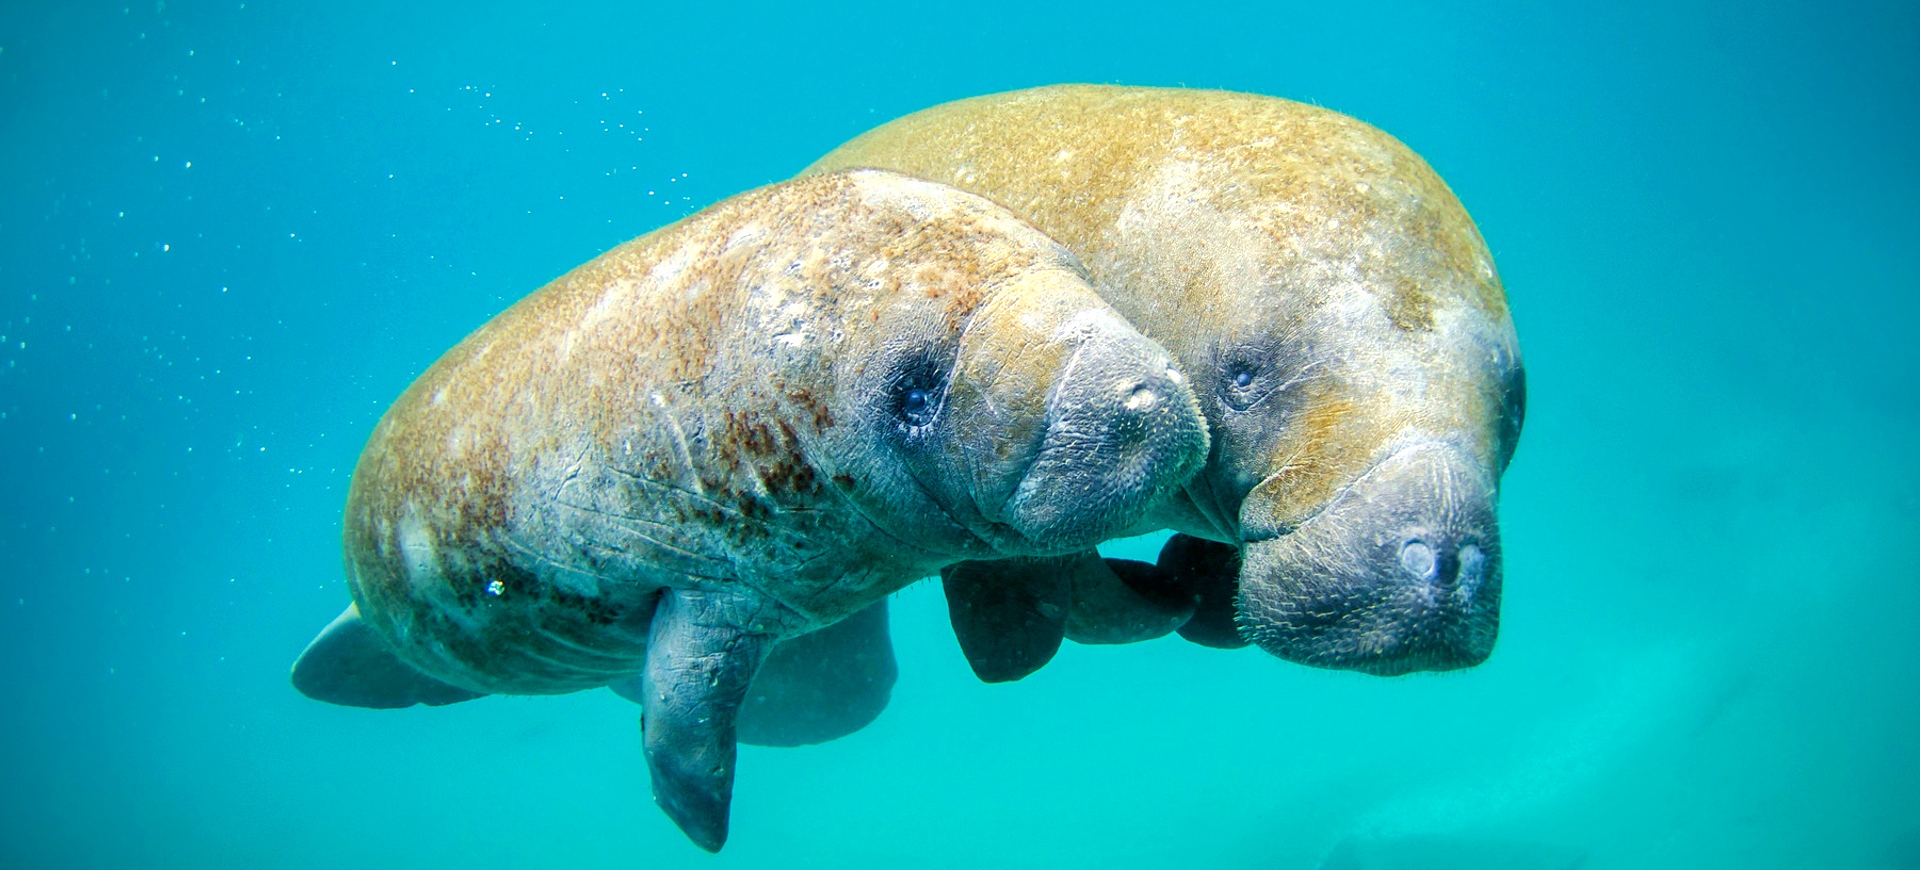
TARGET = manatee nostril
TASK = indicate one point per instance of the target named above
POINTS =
(1473, 563)
(1142, 398)
(1418, 559)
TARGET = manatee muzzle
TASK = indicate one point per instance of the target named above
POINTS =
(1124, 431)
(1400, 572)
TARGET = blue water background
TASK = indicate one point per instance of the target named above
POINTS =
(231, 233)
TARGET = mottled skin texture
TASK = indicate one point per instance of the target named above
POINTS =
(1338, 314)
(697, 408)
(743, 427)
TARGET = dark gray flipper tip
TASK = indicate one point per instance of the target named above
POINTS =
(696, 800)
(1209, 571)
(1009, 614)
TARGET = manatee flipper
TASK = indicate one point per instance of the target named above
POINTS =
(1208, 571)
(349, 665)
(814, 688)
(702, 652)
(1009, 614)
(1123, 601)
(822, 685)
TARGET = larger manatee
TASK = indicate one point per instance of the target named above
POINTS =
(1346, 332)
(729, 433)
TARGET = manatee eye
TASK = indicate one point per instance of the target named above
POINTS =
(919, 388)
(917, 406)
(1240, 383)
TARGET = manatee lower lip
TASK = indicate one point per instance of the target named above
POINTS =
(1204, 498)
(1399, 572)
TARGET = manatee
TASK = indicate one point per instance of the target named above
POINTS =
(730, 432)
(1344, 328)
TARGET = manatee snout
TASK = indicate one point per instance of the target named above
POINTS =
(1123, 432)
(1399, 573)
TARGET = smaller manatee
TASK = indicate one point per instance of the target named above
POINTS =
(735, 432)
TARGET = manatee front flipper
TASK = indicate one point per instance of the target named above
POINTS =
(1123, 601)
(816, 687)
(701, 656)
(349, 665)
(1209, 572)
(1009, 614)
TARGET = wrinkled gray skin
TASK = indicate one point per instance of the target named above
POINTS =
(732, 432)
(1343, 326)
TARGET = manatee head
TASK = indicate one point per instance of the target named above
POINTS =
(1388, 564)
(990, 380)
(1121, 429)
(1365, 392)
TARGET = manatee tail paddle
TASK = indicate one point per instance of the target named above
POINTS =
(349, 665)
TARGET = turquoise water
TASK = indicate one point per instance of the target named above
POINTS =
(231, 233)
